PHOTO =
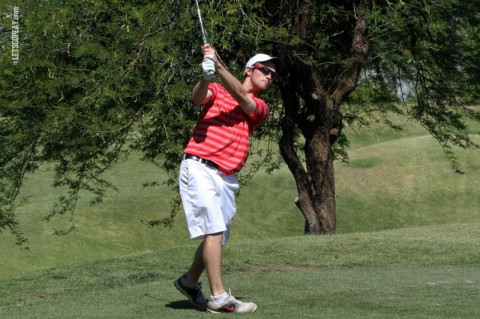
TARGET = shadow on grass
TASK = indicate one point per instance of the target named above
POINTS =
(183, 304)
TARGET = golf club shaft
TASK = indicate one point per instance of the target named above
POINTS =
(204, 34)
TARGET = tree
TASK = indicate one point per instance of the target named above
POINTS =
(85, 81)
(426, 45)
(95, 84)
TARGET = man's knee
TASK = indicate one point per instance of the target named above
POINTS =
(213, 238)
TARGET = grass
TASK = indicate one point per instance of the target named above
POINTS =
(407, 243)
(422, 272)
(406, 182)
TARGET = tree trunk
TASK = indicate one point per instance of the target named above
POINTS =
(316, 184)
(315, 111)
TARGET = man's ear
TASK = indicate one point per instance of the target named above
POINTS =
(248, 71)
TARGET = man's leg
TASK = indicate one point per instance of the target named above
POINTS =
(196, 269)
(207, 256)
(212, 259)
(188, 283)
(220, 300)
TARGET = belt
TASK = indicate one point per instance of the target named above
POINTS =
(201, 160)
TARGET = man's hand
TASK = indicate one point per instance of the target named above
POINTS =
(208, 66)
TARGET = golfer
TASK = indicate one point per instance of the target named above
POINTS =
(216, 151)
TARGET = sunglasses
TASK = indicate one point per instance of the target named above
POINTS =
(264, 70)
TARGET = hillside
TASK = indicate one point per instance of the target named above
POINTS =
(393, 180)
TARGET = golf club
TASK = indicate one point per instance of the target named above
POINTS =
(204, 34)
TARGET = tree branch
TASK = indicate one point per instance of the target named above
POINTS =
(348, 81)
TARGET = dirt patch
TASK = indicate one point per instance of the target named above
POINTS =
(41, 296)
(259, 270)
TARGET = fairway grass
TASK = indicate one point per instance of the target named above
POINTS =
(418, 272)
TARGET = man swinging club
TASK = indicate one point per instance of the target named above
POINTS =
(217, 150)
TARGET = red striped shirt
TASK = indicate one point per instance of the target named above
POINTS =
(223, 129)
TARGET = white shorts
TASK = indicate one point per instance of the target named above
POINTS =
(208, 199)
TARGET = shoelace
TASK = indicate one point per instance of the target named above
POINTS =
(233, 299)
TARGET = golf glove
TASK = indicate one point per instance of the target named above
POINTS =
(208, 66)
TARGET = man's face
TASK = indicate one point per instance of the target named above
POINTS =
(262, 75)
